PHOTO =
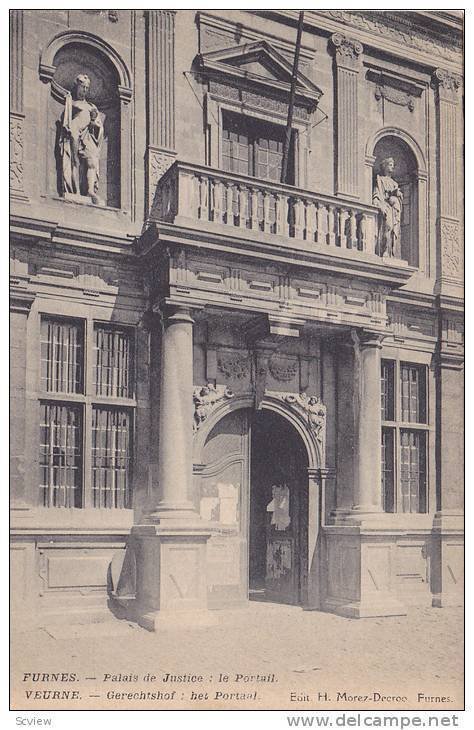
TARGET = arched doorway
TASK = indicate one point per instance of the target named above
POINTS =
(246, 463)
(278, 509)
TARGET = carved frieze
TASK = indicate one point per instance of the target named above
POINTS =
(205, 399)
(451, 249)
(234, 366)
(382, 26)
(259, 101)
(282, 370)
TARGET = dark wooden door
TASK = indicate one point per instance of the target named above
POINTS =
(277, 529)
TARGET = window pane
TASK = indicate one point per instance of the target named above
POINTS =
(413, 393)
(60, 455)
(112, 362)
(62, 355)
(413, 471)
(235, 145)
(387, 391)
(110, 458)
(388, 480)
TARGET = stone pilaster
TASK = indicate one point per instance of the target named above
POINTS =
(20, 305)
(348, 63)
(161, 96)
(448, 523)
(17, 116)
(450, 256)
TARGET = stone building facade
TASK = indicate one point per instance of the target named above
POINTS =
(225, 386)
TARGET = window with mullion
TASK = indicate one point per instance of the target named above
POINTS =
(60, 455)
(79, 468)
(62, 353)
(403, 451)
(111, 438)
(112, 362)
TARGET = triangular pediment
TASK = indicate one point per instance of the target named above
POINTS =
(259, 64)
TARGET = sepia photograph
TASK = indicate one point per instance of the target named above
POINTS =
(237, 361)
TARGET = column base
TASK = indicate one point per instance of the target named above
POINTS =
(176, 620)
(379, 606)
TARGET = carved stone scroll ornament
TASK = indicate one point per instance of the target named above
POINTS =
(16, 154)
(234, 366)
(206, 398)
(451, 248)
(396, 96)
(312, 408)
(347, 50)
(447, 81)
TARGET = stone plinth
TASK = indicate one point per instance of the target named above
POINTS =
(171, 576)
(360, 574)
(448, 559)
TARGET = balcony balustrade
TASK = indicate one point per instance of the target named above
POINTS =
(238, 203)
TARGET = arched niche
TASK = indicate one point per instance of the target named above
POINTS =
(410, 174)
(67, 56)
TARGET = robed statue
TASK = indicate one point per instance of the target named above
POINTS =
(81, 138)
(388, 198)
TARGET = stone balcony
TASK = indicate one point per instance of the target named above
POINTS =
(249, 211)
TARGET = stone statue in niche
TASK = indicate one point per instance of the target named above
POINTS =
(81, 138)
(388, 198)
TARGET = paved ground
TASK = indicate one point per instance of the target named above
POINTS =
(323, 659)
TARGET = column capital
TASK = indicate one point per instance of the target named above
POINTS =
(365, 339)
(447, 83)
(174, 314)
(347, 51)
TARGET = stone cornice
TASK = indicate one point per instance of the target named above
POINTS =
(389, 32)
(32, 231)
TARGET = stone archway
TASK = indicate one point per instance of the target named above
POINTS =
(222, 461)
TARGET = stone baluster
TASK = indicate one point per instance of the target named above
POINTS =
(353, 230)
(298, 213)
(203, 185)
(243, 205)
(217, 201)
(311, 215)
(281, 214)
(342, 235)
(229, 216)
(254, 223)
(266, 212)
(331, 219)
(321, 220)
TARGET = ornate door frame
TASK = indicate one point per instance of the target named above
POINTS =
(307, 414)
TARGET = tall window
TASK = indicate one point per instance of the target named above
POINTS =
(86, 415)
(252, 147)
(404, 437)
